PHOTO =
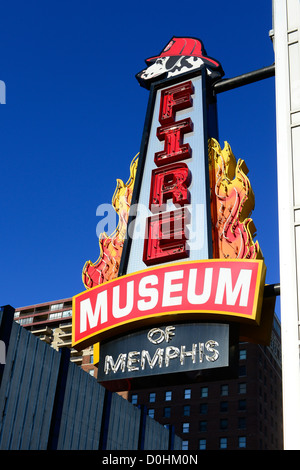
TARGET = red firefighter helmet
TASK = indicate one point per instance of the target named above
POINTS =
(190, 47)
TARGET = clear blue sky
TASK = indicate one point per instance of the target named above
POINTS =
(74, 117)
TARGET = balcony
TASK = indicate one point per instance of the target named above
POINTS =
(44, 334)
(44, 330)
(76, 359)
(46, 339)
(64, 344)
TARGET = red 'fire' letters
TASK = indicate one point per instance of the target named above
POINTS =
(166, 234)
(175, 99)
(174, 149)
(169, 182)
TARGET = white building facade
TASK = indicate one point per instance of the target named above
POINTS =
(286, 31)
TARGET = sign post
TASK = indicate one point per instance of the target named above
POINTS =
(183, 281)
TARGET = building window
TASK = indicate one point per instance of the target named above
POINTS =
(203, 426)
(167, 412)
(186, 410)
(151, 412)
(224, 406)
(223, 424)
(152, 397)
(224, 390)
(185, 427)
(25, 321)
(67, 313)
(242, 423)
(56, 306)
(187, 393)
(203, 408)
(242, 442)
(243, 354)
(242, 388)
(242, 371)
(185, 445)
(223, 443)
(134, 399)
(55, 315)
(202, 444)
(242, 405)
(204, 392)
(168, 396)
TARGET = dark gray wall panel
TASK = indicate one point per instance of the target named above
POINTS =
(47, 402)
(156, 436)
(124, 423)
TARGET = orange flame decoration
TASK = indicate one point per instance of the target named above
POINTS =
(232, 201)
(107, 265)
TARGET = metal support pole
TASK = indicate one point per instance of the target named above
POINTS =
(244, 79)
(272, 290)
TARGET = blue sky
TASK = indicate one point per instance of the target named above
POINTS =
(74, 117)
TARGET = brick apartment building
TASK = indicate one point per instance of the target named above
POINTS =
(52, 323)
(240, 413)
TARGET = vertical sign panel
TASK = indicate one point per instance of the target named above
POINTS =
(196, 210)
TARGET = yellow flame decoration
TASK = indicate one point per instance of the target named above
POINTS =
(108, 263)
(232, 201)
